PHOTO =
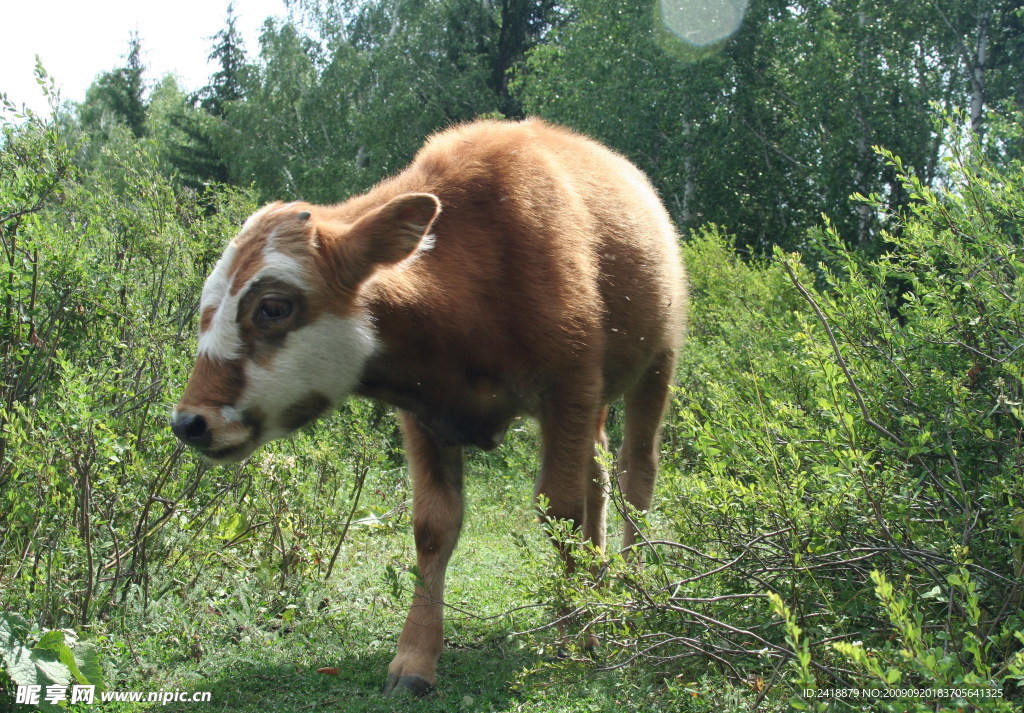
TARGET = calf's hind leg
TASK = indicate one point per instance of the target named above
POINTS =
(568, 470)
(595, 517)
(436, 521)
(637, 465)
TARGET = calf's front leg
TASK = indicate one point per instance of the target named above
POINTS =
(437, 520)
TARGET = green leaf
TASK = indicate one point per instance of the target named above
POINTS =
(87, 658)
(232, 526)
(42, 667)
(19, 665)
(56, 641)
(52, 641)
(14, 630)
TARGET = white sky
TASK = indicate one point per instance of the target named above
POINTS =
(78, 40)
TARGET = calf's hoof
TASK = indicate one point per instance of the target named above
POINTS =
(407, 685)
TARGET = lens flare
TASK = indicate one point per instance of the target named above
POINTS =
(701, 23)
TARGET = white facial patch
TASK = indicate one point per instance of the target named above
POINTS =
(282, 267)
(326, 357)
(221, 339)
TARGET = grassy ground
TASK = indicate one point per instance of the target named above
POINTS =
(257, 657)
(258, 649)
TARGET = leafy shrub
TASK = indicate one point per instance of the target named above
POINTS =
(849, 445)
(102, 512)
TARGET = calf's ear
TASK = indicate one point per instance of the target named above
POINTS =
(383, 236)
(392, 232)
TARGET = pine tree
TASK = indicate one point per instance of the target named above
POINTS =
(199, 156)
(118, 95)
(226, 84)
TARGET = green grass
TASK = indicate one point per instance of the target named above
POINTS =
(261, 649)
(256, 647)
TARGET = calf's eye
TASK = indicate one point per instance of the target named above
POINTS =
(273, 309)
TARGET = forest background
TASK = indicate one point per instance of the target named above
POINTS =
(841, 508)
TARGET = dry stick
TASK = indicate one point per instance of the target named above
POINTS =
(695, 646)
(746, 548)
(777, 649)
(360, 480)
(768, 686)
(708, 620)
(212, 506)
(842, 361)
(85, 524)
(115, 559)
(28, 542)
(138, 548)
(960, 481)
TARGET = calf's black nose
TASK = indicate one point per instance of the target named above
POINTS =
(191, 428)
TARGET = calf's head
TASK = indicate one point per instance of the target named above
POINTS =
(283, 335)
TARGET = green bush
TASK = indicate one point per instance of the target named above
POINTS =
(102, 512)
(847, 442)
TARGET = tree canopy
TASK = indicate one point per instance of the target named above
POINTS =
(762, 131)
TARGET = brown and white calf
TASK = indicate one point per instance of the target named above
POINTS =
(513, 269)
